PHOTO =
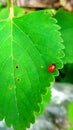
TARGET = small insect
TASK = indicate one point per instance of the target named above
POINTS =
(51, 68)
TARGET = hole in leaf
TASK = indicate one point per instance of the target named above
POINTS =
(17, 66)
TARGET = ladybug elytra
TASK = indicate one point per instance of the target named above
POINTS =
(51, 68)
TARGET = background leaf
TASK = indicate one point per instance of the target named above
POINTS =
(70, 128)
(28, 45)
(65, 20)
(65, 74)
(70, 112)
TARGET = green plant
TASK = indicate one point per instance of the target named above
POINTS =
(29, 44)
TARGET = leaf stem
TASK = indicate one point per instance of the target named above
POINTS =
(10, 6)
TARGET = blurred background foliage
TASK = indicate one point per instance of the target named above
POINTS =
(67, 4)
(66, 74)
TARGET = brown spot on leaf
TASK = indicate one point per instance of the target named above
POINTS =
(18, 79)
(10, 87)
(46, 11)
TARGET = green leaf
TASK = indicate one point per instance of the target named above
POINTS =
(4, 13)
(70, 128)
(28, 45)
(1, 5)
(65, 20)
(45, 101)
(70, 112)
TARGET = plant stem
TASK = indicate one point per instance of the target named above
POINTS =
(10, 6)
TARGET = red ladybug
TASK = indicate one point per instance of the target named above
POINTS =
(51, 68)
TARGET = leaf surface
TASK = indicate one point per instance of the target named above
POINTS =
(28, 45)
